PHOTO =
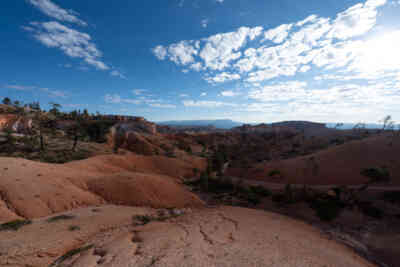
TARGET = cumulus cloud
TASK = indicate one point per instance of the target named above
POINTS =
(160, 52)
(356, 20)
(291, 48)
(182, 53)
(72, 42)
(222, 77)
(279, 34)
(52, 10)
(215, 52)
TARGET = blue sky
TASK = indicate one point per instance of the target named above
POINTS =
(246, 60)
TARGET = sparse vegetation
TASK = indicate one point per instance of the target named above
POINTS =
(14, 225)
(70, 254)
(61, 218)
(73, 228)
(376, 174)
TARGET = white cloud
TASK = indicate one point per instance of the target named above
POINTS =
(329, 44)
(356, 20)
(220, 49)
(229, 93)
(160, 52)
(223, 77)
(116, 73)
(204, 23)
(183, 95)
(182, 53)
(196, 66)
(203, 94)
(48, 91)
(159, 105)
(284, 91)
(220, 1)
(278, 34)
(73, 43)
(54, 93)
(112, 99)
(20, 87)
(138, 91)
(52, 10)
(207, 104)
(305, 68)
(309, 19)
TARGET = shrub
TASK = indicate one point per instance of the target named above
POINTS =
(368, 209)
(274, 173)
(14, 225)
(60, 218)
(376, 174)
(260, 190)
(279, 198)
(327, 209)
(73, 228)
(391, 196)
(142, 219)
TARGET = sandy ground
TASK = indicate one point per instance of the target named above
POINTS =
(223, 236)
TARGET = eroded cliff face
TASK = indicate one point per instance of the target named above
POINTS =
(15, 123)
(136, 135)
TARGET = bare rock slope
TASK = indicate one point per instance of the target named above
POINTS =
(31, 189)
(224, 236)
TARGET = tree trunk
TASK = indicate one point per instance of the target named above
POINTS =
(41, 142)
(75, 143)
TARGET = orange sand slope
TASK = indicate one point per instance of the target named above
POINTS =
(337, 165)
(32, 189)
(225, 236)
